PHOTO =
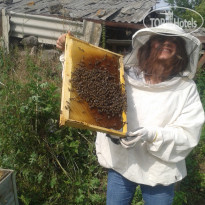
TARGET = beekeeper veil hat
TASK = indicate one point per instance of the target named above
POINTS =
(193, 45)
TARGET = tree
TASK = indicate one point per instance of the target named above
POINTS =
(184, 3)
(198, 6)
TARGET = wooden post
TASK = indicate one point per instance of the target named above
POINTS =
(92, 32)
(5, 30)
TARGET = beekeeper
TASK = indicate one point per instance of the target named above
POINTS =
(165, 117)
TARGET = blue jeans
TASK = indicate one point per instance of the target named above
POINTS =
(120, 191)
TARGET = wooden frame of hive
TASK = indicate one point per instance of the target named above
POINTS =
(76, 114)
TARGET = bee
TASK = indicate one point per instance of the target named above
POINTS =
(67, 107)
(124, 123)
(72, 98)
(70, 90)
(81, 49)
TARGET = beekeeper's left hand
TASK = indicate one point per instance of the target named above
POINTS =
(141, 134)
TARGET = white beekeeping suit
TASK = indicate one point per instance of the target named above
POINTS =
(171, 109)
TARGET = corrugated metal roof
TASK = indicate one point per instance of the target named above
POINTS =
(47, 29)
(130, 11)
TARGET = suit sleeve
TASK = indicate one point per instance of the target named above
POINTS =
(175, 141)
(62, 60)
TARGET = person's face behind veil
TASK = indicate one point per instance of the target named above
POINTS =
(162, 57)
(165, 50)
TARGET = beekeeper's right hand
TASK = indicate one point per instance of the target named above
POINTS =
(141, 134)
(60, 43)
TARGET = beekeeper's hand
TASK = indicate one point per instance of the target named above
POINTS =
(141, 134)
(60, 43)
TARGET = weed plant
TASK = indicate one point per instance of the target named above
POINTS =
(54, 165)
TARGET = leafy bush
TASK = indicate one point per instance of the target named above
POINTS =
(54, 165)
(192, 189)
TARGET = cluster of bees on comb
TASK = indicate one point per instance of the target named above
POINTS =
(97, 82)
